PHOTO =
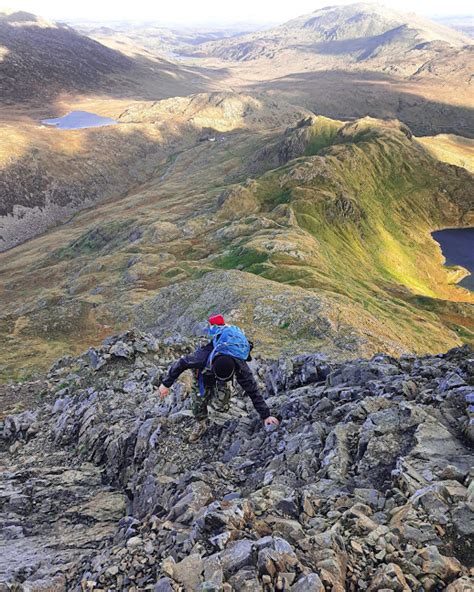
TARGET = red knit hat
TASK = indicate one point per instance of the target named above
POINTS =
(216, 320)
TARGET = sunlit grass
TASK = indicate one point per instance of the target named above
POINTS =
(349, 222)
(452, 149)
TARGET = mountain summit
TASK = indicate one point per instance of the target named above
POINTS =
(368, 20)
(347, 36)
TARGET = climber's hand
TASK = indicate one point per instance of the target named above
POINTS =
(163, 391)
(271, 421)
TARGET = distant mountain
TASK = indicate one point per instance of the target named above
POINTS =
(40, 59)
(154, 37)
(463, 23)
(355, 36)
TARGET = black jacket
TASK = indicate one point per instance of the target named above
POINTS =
(243, 375)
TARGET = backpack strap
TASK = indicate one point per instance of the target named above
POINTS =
(212, 354)
(200, 378)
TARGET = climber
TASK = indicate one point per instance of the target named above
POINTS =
(216, 364)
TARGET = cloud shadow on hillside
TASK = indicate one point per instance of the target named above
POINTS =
(40, 63)
(347, 95)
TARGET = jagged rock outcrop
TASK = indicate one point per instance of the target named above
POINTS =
(367, 483)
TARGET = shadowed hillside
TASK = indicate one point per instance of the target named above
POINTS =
(46, 176)
(39, 59)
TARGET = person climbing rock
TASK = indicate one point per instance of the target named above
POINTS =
(216, 364)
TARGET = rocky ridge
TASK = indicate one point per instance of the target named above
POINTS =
(366, 485)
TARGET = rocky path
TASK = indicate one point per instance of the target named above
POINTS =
(367, 484)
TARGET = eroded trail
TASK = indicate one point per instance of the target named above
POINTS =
(366, 484)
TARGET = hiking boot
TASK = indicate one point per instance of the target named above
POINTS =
(199, 430)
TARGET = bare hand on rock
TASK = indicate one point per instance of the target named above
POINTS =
(271, 421)
(163, 391)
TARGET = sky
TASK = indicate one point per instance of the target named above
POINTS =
(190, 12)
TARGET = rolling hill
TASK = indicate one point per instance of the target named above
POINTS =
(315, 233)
(154, 37)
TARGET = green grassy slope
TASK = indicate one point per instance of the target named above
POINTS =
(342, 226)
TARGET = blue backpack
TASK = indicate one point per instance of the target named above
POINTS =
(228, 340)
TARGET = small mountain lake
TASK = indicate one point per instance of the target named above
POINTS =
(457, 245)
(79, 120)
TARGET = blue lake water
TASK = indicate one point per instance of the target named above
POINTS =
(457, 245)
(79, 120)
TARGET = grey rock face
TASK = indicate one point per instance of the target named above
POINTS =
(310, 583)
(365, 485)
